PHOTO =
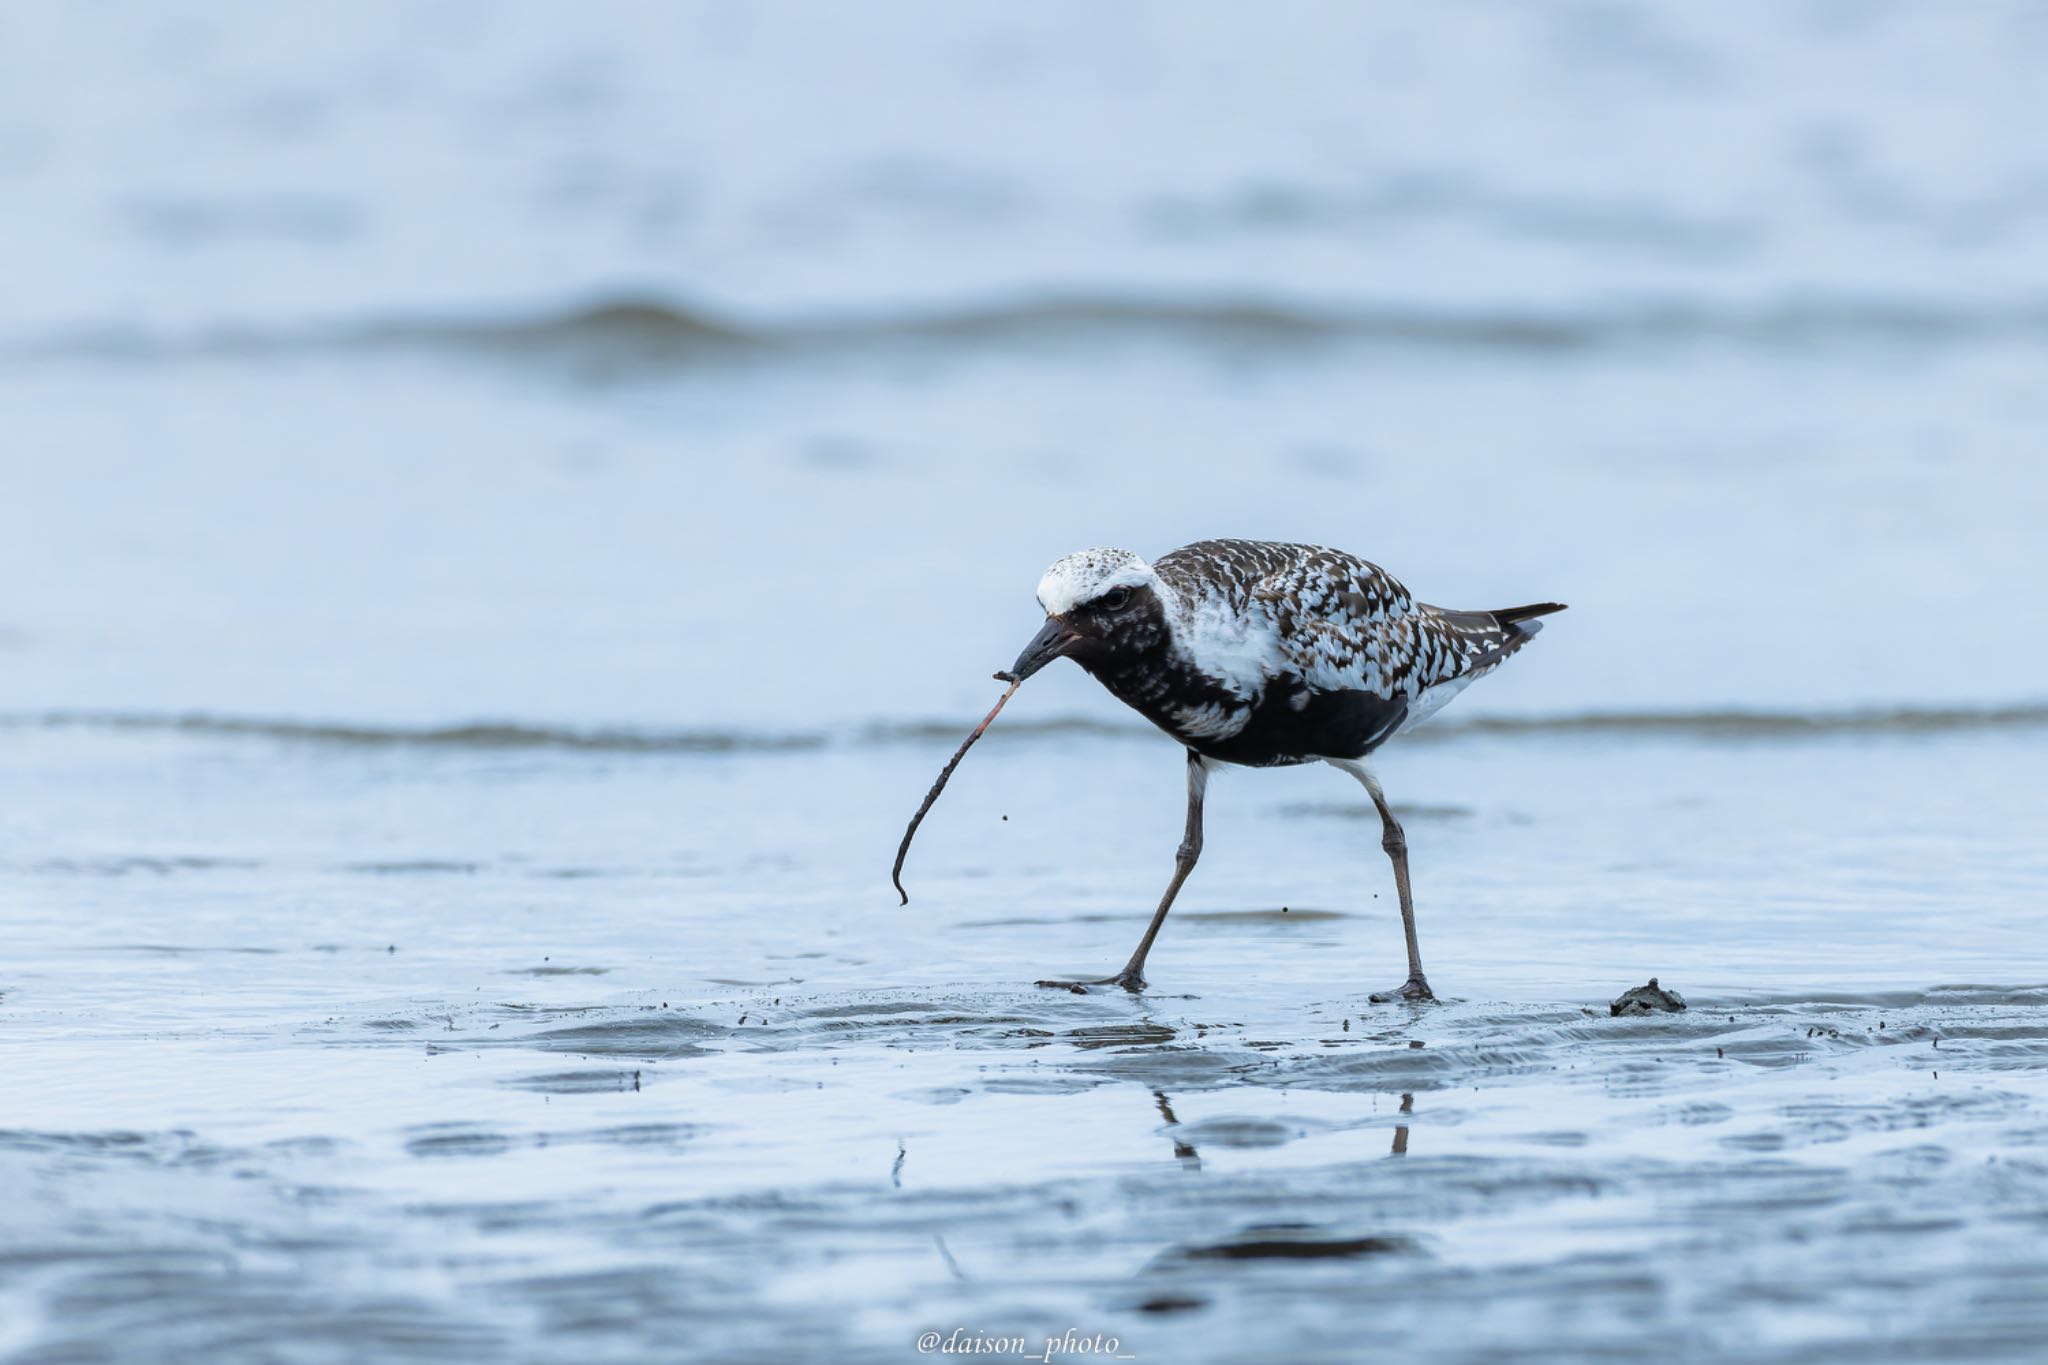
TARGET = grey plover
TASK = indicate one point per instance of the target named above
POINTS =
(1265, 655)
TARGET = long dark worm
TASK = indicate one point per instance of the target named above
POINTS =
(903, 850)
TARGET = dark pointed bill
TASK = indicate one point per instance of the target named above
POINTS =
(903, 849)
(1051, 642)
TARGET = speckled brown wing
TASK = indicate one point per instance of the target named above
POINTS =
(1228, 572)
(1347, 624)
(1341, 623)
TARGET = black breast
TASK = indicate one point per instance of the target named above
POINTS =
(1291, 724)
(1294, 725)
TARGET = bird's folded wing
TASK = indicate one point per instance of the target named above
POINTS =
(1344, 623)
(1341, 622)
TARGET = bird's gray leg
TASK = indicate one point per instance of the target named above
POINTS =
(1395, 842)
(1132, 977)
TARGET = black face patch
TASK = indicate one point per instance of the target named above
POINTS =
(1120, 635)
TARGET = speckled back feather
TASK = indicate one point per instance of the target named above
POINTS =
(1341, 622)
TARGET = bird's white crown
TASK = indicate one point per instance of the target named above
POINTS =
(1087, 574)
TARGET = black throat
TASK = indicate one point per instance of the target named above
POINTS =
(1142, 671)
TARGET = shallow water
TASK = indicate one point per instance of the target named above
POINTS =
(503, 511)
(474, 1050)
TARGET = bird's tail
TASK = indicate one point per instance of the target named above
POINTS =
(1493, 635)
(1508, 616)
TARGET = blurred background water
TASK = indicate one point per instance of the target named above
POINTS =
(504, 506)
(658, 363)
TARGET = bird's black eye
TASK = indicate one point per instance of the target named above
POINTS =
(1114, 599)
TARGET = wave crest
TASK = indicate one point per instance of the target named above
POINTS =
(508, 735)
(652, 331)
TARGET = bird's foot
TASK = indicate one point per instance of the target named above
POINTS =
(1414, 988)
(1129, 980)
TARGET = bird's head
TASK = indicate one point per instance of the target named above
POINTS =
(1100, 606)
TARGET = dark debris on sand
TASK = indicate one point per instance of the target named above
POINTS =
(1650, 999)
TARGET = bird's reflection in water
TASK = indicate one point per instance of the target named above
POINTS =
(1183, 1152)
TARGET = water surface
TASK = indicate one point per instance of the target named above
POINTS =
(503, 510)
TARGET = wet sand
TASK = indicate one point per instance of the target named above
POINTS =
(290, 1075)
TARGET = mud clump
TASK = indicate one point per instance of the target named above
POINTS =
(1650, 999)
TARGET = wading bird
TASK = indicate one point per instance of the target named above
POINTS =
(1265, 655)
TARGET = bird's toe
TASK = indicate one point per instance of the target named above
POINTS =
(1130, 981)
(1414, 988)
